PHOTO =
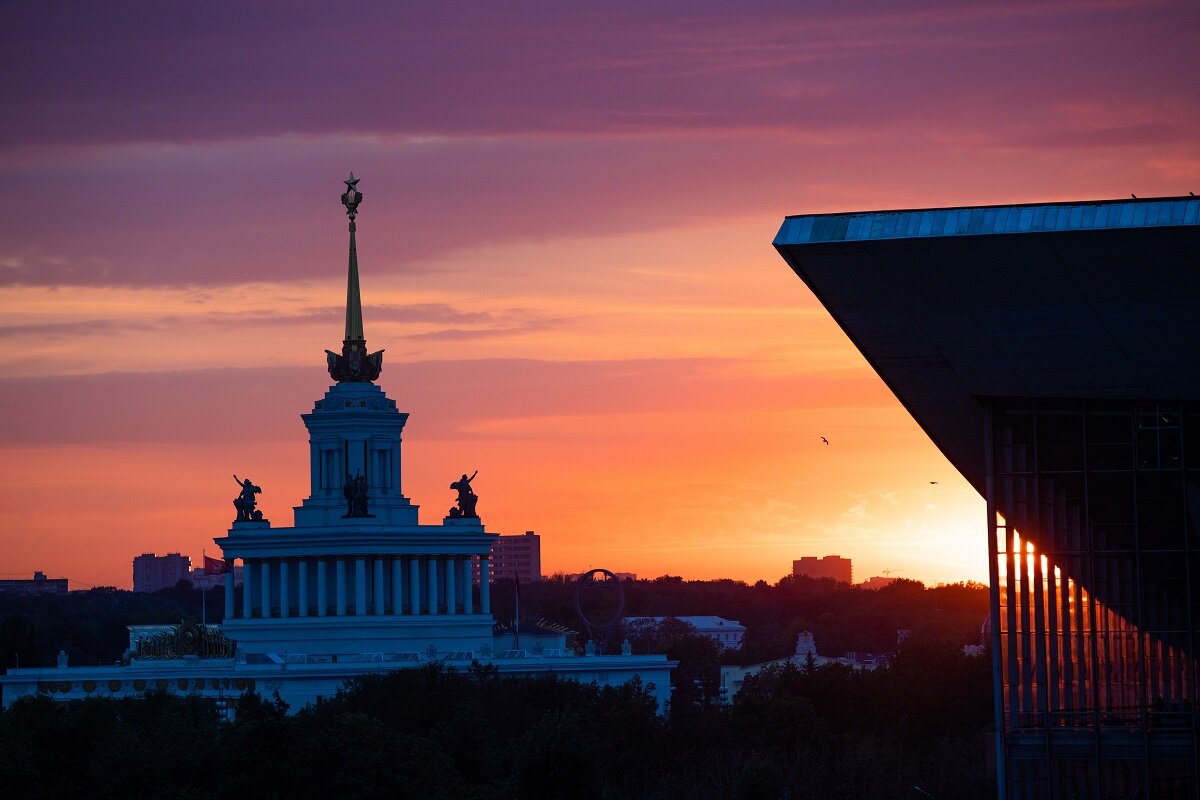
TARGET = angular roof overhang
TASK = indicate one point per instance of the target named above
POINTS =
(1097, 300)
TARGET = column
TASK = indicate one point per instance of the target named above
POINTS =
(485, 587)
(339, 577)
(266, 588)
(247, 594)
(229, 588)
(414, 583)
(314, 472)
(378, 584)
(397, 585)
(322, 598)
(451, 597)
(360, 586)
(433, 585)
(284, 600)
(468, 599)
(302, 587)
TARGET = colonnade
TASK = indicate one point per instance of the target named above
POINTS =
(357, 586)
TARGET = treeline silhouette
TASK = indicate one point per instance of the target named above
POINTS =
(841, 617)
(91, 626)
(430, 732)
(797, 730)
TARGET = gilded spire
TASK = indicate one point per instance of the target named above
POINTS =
(353, 364)
(354, 323)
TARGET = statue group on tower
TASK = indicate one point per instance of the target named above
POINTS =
(466, 497)
(355, 489)
(245, 502)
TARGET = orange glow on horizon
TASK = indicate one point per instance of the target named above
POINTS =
(576, 287)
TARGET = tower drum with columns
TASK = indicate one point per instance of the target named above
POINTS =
(357, 573)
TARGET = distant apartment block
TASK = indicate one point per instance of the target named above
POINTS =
(834, 567)
(877, 582)
(519, 555)
(725, 632)
(152, 573)
(39, 584)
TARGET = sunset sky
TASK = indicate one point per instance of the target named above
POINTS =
(565, 248)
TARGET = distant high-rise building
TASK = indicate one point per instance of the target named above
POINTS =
(39, 584)
(834, 567)
(151, 572)
(519, 555)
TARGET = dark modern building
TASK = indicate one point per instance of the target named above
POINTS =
(152, 573)
(38, 584)
(518, 556)
(835, 567)
(1052, 352)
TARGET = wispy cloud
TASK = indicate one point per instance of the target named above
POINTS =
(211, 404)
(434, 321)
(580, 198)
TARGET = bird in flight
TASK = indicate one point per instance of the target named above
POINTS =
(823, 439)
(932, 482)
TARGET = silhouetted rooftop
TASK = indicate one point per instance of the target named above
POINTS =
(1056, 300)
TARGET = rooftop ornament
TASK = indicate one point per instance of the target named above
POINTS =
(600, 630)
(356, 490)
(186, 639)
(245, 502)
(353, 365)
(466, 497)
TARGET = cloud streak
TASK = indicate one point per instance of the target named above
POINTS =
(126, 72)
(260, 404)
(565, 247)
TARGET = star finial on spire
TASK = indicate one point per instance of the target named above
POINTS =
(351, 198)
(353, 364)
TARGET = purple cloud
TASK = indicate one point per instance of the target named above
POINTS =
(262, 404)
(194, 144)
(127, 72)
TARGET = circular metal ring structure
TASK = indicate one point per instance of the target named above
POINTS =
(606, 626)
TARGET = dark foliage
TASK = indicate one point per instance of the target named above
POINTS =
(435, 733)
(90, 626)
(841, 617)
(792, 732)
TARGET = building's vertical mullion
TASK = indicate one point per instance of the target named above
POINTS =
(1191, 665)
(1066, 617)
(1025, 593)
(1135, 609)
(994, 556)
(1088, 611)
(1013, 560)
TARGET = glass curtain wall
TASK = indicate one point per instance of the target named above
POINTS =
(1095, 533)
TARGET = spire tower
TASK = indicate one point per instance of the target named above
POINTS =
(353, 364)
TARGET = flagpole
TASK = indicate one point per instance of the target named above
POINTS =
(517, 612)
(204, 590)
